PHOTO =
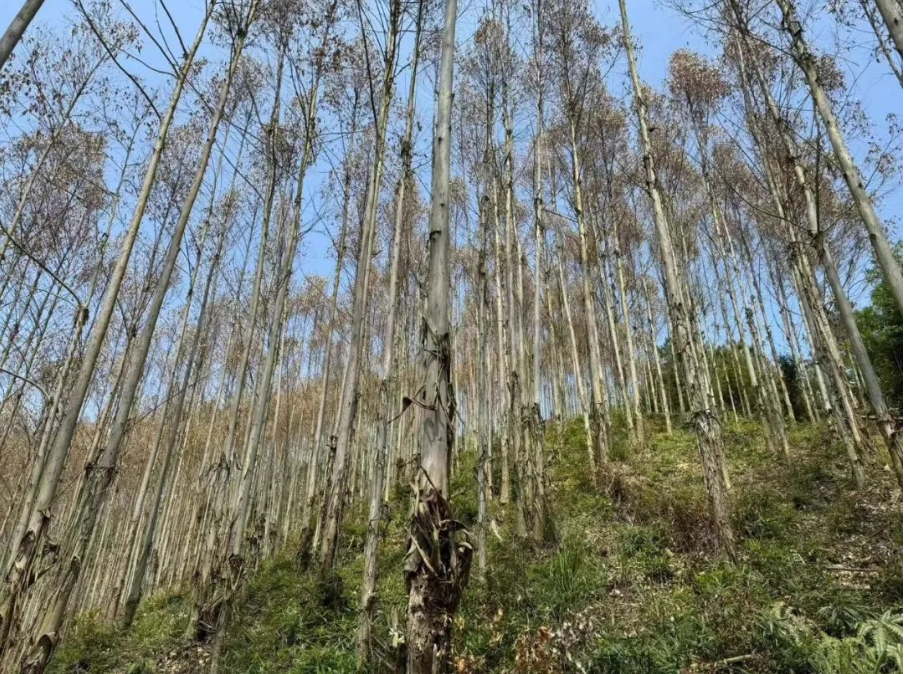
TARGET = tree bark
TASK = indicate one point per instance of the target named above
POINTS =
(892, 17)
(335, 497)
(707, 426)
(435, 587)
(173, 417)
(887, 425)
(889, 266)
(387, 374)
(23, 17)
(22, 558)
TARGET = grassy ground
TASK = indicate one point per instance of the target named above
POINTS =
(632, 582)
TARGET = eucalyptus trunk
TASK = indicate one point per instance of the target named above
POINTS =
(891, 12)
(387, 372)
(706, 424)
(598, 405)
(19, 577)
(887, 425)
(889, 266)
(172, 419)
(439, 553)
(335, 496)
(24, 16)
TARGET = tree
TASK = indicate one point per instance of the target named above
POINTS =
(882, 332)
(25, 548)
(438, 560)
(706, 424)
(20, 22)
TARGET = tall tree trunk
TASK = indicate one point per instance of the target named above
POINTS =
(503, 354)
(515, 380)
(883, 42)
(173, 418)
(96, 493)
(317, 448)
(209, 595)
(23, 17)
(707, 426)
(794, 346)
(18, 576)
(888, 428)
(388, 371)
(635, 381)
(889, 266)
(576, 364)
(598, 411)
(763, 327)
(439, 553)
(335, 497)
(892, 17)
(535, 421)
(241, 501)
(484, 398)
(655, 354)
(607, 291)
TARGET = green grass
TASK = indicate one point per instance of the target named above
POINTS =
(631, 583)
(94, 646)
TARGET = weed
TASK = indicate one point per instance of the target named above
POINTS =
(633, 587)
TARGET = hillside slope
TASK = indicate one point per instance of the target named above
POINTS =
(631, 583)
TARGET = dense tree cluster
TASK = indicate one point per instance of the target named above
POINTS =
(520, 230)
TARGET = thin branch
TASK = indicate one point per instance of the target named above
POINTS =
(40, 264)
(97, 34)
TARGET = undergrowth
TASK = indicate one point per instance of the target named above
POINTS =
(630, 581)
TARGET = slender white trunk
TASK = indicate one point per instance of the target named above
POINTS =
(889, 266)
(387, 372)
(432, 598)
(18, 577)
(23, 17)
(707, 426)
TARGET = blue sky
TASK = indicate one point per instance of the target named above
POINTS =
(659, 29)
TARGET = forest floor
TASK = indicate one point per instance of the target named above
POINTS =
(631, 583)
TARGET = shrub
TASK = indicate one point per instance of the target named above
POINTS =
(761, 514)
